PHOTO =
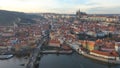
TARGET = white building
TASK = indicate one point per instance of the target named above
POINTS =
(105, 55)
(117, 47)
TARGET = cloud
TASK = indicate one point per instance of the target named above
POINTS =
(104, 6)
(61, 6)
(105, 10)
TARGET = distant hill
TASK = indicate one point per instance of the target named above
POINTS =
(9, 17)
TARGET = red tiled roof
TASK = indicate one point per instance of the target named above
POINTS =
(106, 53)
(54, 41)
(117, 43)
(66, 47)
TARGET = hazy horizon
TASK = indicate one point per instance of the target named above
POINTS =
(62, 6)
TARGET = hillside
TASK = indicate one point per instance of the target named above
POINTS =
(9, 17)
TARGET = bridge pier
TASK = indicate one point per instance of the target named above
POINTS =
(36, 64)
(37, 60)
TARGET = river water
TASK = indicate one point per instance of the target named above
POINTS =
(14, 62)
(71, 61)
(58, 61)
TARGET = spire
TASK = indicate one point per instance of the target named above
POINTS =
(79, 11)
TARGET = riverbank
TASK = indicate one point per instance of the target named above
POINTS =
(73, 60)
(101, 59)
(56, 52)
(86, 54)
(109, 61)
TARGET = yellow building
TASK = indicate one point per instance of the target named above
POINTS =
(90, 45)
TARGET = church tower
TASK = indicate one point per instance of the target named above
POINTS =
(78, 13)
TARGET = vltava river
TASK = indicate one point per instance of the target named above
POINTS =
(13, 63)
(71, 61)
(58, 61)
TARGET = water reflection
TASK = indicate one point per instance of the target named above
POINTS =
(13, 63)
(71, 61)
(58, 61)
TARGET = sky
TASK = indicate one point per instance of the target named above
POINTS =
(62, 6)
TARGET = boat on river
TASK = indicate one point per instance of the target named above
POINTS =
(5, 56)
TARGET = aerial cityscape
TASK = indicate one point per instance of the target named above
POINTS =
(59, 34)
